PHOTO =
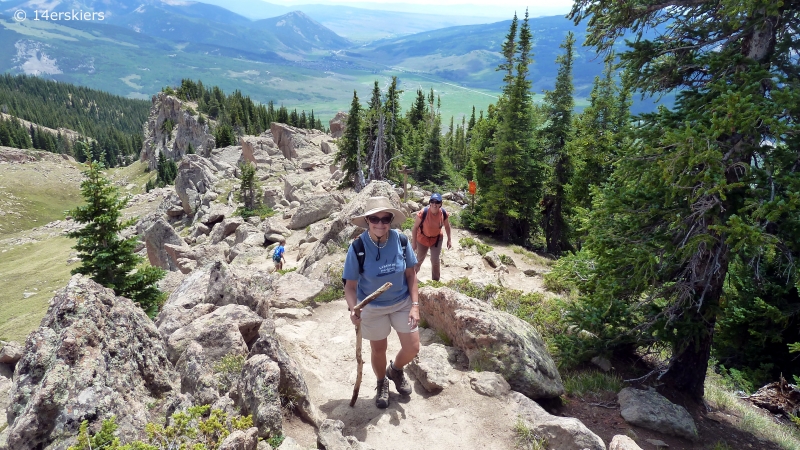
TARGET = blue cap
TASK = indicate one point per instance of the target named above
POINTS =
(437, 196)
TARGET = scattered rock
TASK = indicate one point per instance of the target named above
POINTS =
(493, 259)
(620, 442)
(651, 410)
(11, 353)
(563, 433)
(603, 363)
(489, 383)
(241, 440)
(431, 368)
(295, 291)
(338, 124)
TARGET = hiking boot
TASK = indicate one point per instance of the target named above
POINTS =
(382, 398)
(400, 381)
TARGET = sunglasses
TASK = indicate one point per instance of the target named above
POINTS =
(384, 220)
(436, 202)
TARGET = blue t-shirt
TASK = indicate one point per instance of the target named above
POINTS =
(276, 255)
(389, 267)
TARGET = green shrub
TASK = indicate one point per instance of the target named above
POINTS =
(570, 272)
(408, 223)
(228, 370)
(474, 290)
(190, 110)
(507, 260)
(330, 294)
(285, 271)
(194, 428)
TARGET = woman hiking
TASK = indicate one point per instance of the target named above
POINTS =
(385, 256)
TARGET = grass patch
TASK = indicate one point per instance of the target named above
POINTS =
(526, 438)
(135, 173)
(752, 420)
(408, 223)
(482, 248)
(285, 271)
(38, 268)
(262, 212)
(532, 257)
(592, 384)
(35, 194)
(330, 294)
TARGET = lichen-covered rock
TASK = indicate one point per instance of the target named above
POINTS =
(173, 141)
(249, 288)
(493, 340)
(241, 440)
(258, 394)
(226, 330)
(95, 355)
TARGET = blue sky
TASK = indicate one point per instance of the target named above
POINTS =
(493, 8)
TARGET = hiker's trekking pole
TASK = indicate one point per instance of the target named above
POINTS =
(359, 360)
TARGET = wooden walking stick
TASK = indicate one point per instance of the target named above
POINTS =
(359, 360)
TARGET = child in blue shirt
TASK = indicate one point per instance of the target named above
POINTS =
(277, 255)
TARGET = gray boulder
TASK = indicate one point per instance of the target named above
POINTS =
(158, 234)
(241, 440)
(563, 433)
(228, 286)
(195, 178)
(295, 291)
(313, 210)
(338, 124)
(431, 368)
(197, 375)
(493, 340)
(329, 437)
(292, 384)
(11, 353)
(287, 138)
(95, 355)
(256, 150)
(651, 410)
(225, 228)
(489, 384)
(621, 442)
(493, 259)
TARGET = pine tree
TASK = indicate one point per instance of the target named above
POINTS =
(350, 147)
(509, 203)
(248, 188)
(431, 161)
(106, 257)
(556, 134)
(701, 186)
(395, 124)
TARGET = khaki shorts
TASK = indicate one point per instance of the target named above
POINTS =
(377, 321)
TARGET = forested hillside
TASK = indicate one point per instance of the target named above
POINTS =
(113, 123)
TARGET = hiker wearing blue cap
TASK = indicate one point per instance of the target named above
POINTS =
(427, 234)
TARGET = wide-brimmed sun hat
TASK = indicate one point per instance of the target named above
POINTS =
(376, 205)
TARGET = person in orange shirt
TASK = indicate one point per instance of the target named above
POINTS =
(427, 234)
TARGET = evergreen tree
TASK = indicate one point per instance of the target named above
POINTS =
(556, 134)
(106, 257)
(395, 124)
(350, 147)
(432, 161)
(511, 196)
(248, 188)
(709, 183)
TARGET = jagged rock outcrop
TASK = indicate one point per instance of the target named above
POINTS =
(227, 286)
(651, 410)
(258, 394)
(174, 143)
(338, 124)
(94, 355)
(195, 178)
(287, 138)
(493, 340)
